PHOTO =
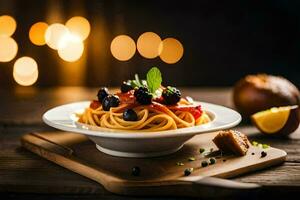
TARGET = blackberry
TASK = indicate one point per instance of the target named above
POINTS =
(102, 93)
(125, 87)
(171, 95)
(130, 115)
(143, 96)
(110, 101)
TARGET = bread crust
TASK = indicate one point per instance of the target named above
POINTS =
(232, 141)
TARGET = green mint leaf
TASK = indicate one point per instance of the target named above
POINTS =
(154, 79)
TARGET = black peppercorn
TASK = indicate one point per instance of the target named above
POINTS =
(212, 161)
(204, 163)
(188, 171)
(136, 171)
(263, 154)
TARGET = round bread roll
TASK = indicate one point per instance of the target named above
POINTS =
(255, 93)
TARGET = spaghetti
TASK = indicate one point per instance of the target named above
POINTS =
(154, 117)
(143, 105)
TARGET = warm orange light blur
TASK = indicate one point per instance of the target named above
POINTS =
(148, 44)
(79, 26)
(54, 34)
(8, 49)
(37, 33)
(170, 50)
(71, 48)
(25, 71)
(123, 47)
(8, 25)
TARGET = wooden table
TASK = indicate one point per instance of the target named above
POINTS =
(24, 174)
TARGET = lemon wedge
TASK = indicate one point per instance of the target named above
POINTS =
(272, 120)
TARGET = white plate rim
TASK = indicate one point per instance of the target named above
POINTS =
(64, 122)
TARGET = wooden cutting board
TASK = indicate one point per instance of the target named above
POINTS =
(158, 176)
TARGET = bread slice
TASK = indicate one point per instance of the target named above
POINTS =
(232, 141)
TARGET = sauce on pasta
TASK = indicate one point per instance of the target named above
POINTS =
(136, 108)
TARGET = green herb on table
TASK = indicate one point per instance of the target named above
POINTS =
(265, 146)
(201, 150)
(192, 159)
(188, 171)
(254, 143)
(257, 144)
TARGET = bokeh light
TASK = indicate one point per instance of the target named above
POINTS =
(8, 49)
(71, 48)
(37, 33)
(79, 26)
(170, 50)
(25, 71)
(8, 25)
(123, 47)
(54, 33)
(148, 45)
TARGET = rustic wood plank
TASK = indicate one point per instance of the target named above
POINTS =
(285, 175)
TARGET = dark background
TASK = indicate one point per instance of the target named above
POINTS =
(223, 40)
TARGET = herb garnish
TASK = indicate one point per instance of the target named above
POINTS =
(152, 82)
(154, 79)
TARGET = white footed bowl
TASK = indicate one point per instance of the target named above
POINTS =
(125, 143)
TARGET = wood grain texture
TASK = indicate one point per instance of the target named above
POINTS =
(22, 171)
(159, 176)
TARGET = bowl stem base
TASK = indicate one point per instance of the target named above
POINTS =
(136, 155)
